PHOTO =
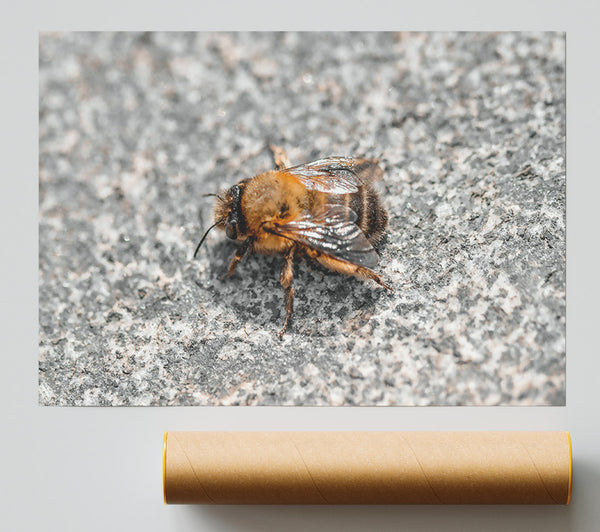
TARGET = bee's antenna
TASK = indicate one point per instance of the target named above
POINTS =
(215, 195)
(203, 238)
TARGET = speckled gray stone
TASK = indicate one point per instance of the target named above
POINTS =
(134, 128)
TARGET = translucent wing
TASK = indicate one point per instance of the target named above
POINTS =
(332, 232)
(336, 175)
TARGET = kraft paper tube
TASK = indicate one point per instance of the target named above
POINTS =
(367, 467)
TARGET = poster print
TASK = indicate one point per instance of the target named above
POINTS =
(465, 137)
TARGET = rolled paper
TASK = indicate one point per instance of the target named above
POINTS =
(367, 467)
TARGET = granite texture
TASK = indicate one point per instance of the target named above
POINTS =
(470, 130)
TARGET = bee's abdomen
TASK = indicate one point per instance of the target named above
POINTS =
(372, 217)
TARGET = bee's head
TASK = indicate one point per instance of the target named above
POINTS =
(228, 212)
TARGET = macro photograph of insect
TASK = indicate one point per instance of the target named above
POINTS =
(284, 218)
(327, 210)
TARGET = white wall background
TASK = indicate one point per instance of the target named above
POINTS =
(100, 469)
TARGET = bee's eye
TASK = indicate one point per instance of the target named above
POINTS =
(231, 230)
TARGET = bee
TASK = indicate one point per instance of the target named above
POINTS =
(327, 210)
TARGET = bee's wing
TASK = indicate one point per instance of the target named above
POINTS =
(336, 175)
(332, 232)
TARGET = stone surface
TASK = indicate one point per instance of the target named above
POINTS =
(134, 128)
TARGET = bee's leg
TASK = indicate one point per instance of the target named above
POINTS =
(287, 274)
(239, 255)
(351, 269)
(281, 159)
(370, 274)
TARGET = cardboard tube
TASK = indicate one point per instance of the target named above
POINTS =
(367, 467)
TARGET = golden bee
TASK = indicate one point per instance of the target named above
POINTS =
(327, 209)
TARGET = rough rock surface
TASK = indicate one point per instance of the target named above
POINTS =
(134, 128)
